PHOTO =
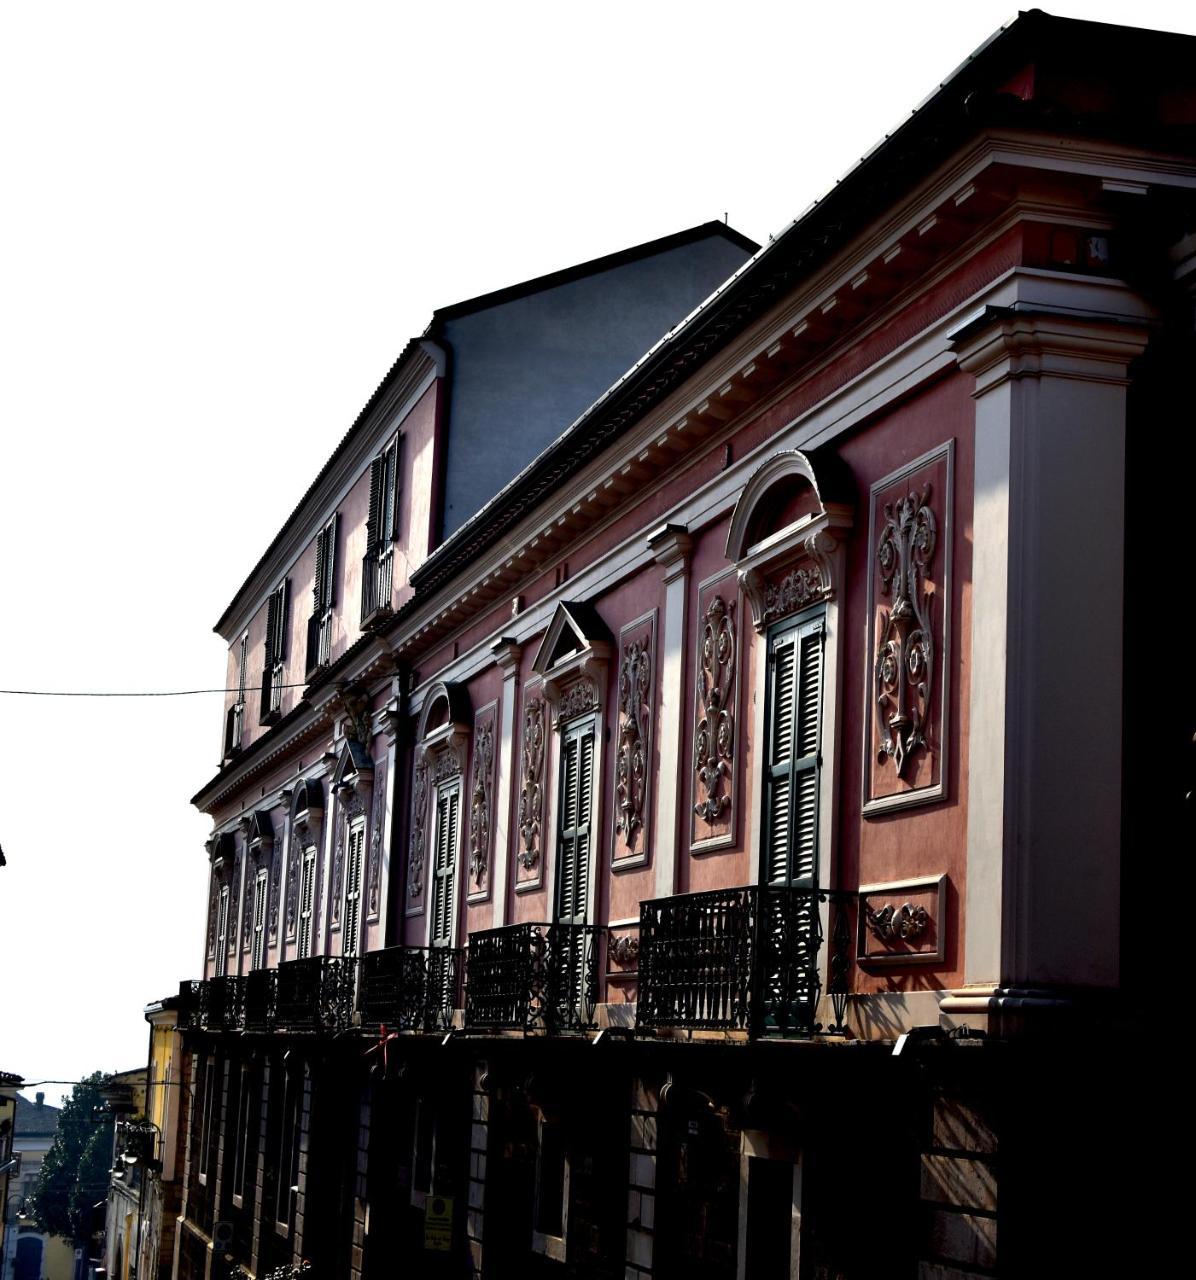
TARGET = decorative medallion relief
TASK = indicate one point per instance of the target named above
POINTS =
(419, 829)
(794, 592)
(624, 950)
(902, 922)
(637, 693)
(531, 790)
(481, 791)
(377, 824)
(909, 608)
(578, 699)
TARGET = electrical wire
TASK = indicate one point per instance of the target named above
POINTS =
(125, 693)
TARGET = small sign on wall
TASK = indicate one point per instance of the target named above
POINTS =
(438, 1224)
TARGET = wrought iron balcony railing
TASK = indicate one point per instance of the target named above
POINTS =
(224, 1004)
(191, 997)
(316, 994)
(261, 1000)
(744, 960)
(377, 583)
(410, 988)
(532, 977)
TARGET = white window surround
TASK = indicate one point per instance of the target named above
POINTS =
(812, 547)
(575, 685)
(443, 749)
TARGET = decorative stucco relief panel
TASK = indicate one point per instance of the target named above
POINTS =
(903, 922)
(481, 803)
(633, 741)
(373, 896)
(909, 613)
(420, 789)
(531, 786)
(716, 727)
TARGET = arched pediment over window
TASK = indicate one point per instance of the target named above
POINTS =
(784, 531)
(445, 717)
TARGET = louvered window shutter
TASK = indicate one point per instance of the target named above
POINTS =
(268, 663)
(317, 589)
(795, 724)
(448, 800)
(373, 524)
(307, 891)
(390, 496)
(259, 919)
(353, 891)
(282, 597)
(576, 806)
(222, 934)
(330, 563)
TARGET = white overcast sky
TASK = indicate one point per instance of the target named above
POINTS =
(218, 225)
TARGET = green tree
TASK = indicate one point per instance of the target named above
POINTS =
(74, 1173)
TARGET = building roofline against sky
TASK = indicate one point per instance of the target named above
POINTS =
(937, 127)
(482, 302)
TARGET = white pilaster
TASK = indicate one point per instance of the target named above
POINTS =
(671, 545)
(506, 655)
(1044, 770)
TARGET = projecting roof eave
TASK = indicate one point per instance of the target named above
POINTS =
(962, 106)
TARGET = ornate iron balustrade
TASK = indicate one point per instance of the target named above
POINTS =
(532, 977)
(316, 994)
(744, 960)
(191, 996)
(261, 1000)
(223, 1005)
(410, 988)
(377, 583)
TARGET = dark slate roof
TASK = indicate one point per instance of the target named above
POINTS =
(967, 102)
(34, 1120)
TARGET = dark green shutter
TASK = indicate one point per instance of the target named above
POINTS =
(794, 737)
(373, 523)
(576, 809)
(448, 800)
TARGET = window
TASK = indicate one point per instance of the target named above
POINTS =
(287, 1165)
(273, 673)
(444, 876)
(205, 1123)
(794, 756)
(382, 525)
(550, 1205)
(234, 725)
(352, 915)
(424, 1155)
(222, 932)
(307, 894)
(319, 629)
(244, 1117)
(260, 892)
(575, 810)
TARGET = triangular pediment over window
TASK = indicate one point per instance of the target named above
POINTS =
(353, 763)
(575, 629)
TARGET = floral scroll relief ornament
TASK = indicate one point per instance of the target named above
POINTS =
(793, 592)
(891, 924)
(714, 741)
(213, 899)
(419, 828)
(479, 813)
(338, 871)
(904, 670)
(531, 794)
(375, 861)
(631, 764)
(275, 890)
(293, 881)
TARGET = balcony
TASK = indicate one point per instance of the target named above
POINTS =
(410, 988)
(377, 584)
(744, 960)
(531, 978)
(214, 1005)
(317, 994)
(261, 1000)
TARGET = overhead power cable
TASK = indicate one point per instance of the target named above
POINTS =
(126, 693)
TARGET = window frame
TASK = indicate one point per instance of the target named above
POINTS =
(305, 916)
(354, 871)
(261, 907)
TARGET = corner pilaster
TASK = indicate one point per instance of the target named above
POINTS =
(1045, 734)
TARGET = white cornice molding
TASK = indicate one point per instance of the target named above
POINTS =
(386, 417)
